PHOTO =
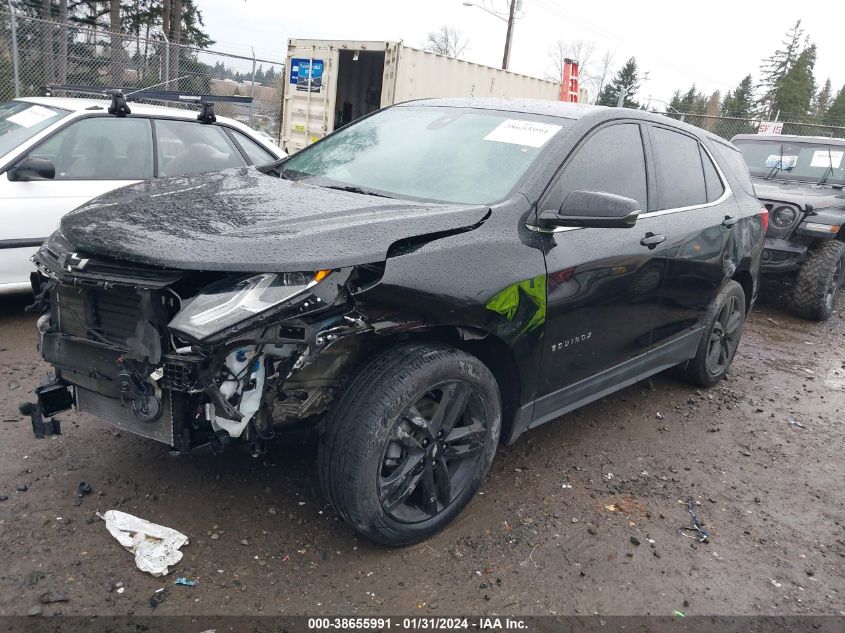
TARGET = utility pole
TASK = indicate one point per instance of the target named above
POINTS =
(507, 56)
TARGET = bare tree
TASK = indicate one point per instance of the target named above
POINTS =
(447, 41)
(116, 43)
(580, 51)
(47, 31)
(605, 64)
(175, 37)
(63, 42)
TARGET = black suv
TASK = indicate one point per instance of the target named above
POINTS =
(419, 285)
(799, 179)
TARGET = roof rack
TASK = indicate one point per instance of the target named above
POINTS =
(119, 106)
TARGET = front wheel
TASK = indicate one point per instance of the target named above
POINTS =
(409, 441)
(819, 281)
(720, 340)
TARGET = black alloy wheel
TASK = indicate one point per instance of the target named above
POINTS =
(724, 336)
(433, 451)
(409, 440)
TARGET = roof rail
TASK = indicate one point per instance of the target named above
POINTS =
(134, 94)
(120, 108)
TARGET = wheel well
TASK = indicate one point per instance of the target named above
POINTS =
(491, 351)
(747, 282)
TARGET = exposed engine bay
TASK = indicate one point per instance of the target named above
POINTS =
(193, 358)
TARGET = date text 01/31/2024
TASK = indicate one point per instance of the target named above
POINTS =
(417, 624)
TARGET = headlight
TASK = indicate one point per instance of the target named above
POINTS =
(783, 217)
(229, 302)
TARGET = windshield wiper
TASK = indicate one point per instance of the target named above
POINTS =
(357, 189)
(827, 173)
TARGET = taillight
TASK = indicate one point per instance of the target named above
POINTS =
(764, 218)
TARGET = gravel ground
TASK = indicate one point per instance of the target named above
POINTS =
(579, 517)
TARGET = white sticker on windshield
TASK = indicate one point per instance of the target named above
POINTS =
(782, 162)
(523, 133)
(31, 116)
(823, 158)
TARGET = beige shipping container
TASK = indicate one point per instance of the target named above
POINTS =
(332, 82)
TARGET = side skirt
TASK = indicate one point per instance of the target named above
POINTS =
(575, 396)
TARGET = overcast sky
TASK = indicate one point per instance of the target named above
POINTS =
(714, 44)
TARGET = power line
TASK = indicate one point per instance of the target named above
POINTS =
(587, 25)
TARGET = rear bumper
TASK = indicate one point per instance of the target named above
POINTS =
(781, 256)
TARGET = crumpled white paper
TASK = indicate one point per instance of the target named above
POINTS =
(155, 547)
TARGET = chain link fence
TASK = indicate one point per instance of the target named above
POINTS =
(728, 127)
(35, 53)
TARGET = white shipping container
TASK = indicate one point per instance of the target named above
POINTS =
(332, 82)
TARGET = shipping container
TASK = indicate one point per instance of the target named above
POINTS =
(332, 82)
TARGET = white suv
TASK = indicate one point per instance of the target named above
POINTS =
(58, 153)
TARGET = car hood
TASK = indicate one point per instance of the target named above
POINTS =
(820, 197)
(243, 220)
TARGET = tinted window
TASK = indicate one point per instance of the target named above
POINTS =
(730, 157)
(257, 154)
(101, 148)
(611, 160)
(434, 153)
(680, 177)
(714, 185)
(185, 147)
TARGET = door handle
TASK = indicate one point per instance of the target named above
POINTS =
(729, 222)
(651, 240)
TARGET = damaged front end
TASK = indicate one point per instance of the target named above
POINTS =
(193, 358)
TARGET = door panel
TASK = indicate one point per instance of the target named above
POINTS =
(699, 251)
(602, 284)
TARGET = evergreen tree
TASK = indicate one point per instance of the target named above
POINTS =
(821, 104)
(777, 66)
(740, 102)
(628, 79)
(794, 96)
(835, 115)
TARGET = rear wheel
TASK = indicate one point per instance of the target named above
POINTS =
(408, 443)
(819, 281)
(722, 333)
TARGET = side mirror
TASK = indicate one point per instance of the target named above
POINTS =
(592, 209)
(31, 168)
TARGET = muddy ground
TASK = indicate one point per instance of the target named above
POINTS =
(579, 517)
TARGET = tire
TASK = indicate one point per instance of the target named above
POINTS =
(382, 464)
(820, 280)
(720, 340)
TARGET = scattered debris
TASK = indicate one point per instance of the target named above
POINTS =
(33, 611)
(660, 416)
(679, 614)
(3, 497)
(794, 422)
(51, 597)
(181, 580)
(566, 485)
(635, 541)
(22, 487)
(83, 489)
(155, 547)
(157, 598)
(696, 526)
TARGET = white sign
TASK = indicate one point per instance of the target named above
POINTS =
(823, 158)
(31, 116)
(525, 133)
(770, 127)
